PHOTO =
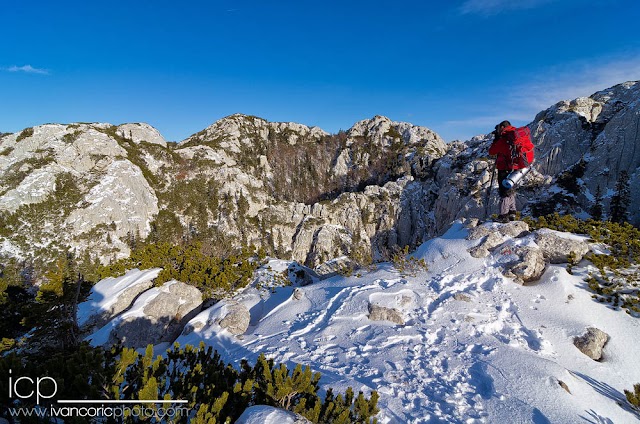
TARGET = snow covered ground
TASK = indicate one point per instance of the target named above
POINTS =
(475, 347)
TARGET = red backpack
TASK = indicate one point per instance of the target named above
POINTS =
(521, 147)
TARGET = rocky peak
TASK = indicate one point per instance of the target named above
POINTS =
(139, 132)
(382, 131)
(235, 130)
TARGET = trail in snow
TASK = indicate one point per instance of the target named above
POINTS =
(475, 347)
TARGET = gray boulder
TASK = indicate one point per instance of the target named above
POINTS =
(158, 315)
(490, 241)
(592, 343)
(513, 228)
(556, 249)
(529, 266)
(237, 317)
(382, 313)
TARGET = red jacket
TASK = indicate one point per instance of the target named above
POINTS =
(502, 148)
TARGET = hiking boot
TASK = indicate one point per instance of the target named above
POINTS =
(504, 218)
(512, 215)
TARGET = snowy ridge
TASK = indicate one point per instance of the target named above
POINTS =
(475, 347)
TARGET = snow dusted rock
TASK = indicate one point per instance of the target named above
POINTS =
(237, 318)
(557, 248)
(334, 267)
(139, 132)
(158, 315)
(490, 241)
(494, 235)
(261, 414)
(513, 229)
(111, 296)
(382, 313)
(592, 343)
(529, 266)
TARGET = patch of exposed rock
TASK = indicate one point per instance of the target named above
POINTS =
(528, 267)
(556, 248)
(592, 343)
(236, 317)
(382, 313)
(493, 235)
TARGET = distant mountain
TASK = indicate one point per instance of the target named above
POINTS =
(298, 192)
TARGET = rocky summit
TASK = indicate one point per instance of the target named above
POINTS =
(297, 191)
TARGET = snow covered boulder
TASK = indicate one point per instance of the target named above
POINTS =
(300, 275)
(111, 296)
(158, 315)
(262, 414)
(592, 343)
(510, 229)
(529, 266)
(557, 248)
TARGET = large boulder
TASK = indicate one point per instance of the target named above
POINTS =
(592, 343)
(236, 319)
(556, 248)
(112, 296)
(158, 315)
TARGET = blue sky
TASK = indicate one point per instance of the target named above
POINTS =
(457, 67)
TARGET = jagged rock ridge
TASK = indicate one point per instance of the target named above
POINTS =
(297, 191)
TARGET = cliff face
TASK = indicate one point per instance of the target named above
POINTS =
(296, 191)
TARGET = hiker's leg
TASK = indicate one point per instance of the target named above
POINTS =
(505, 196)
(512, 205)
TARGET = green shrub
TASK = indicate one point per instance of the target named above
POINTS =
(27, 132)
(618, 280)
(634, 396)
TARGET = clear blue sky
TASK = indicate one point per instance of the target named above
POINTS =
(457, 67)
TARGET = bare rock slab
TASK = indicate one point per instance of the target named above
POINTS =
(557, 249)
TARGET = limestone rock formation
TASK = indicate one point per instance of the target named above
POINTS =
(556, 249)
(236, 318)
(158, 315)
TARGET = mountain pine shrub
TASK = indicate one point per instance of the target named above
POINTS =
(27, 132)
(634, 396)
(617, 282)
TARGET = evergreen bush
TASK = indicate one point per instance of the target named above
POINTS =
(619, 277)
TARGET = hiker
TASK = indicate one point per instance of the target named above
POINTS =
(514, 151)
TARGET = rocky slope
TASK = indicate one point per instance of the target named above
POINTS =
(296, 191)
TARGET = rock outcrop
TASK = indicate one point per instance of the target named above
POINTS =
(236, 319)
(529, 266)
(556, 249)
(158, 315)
